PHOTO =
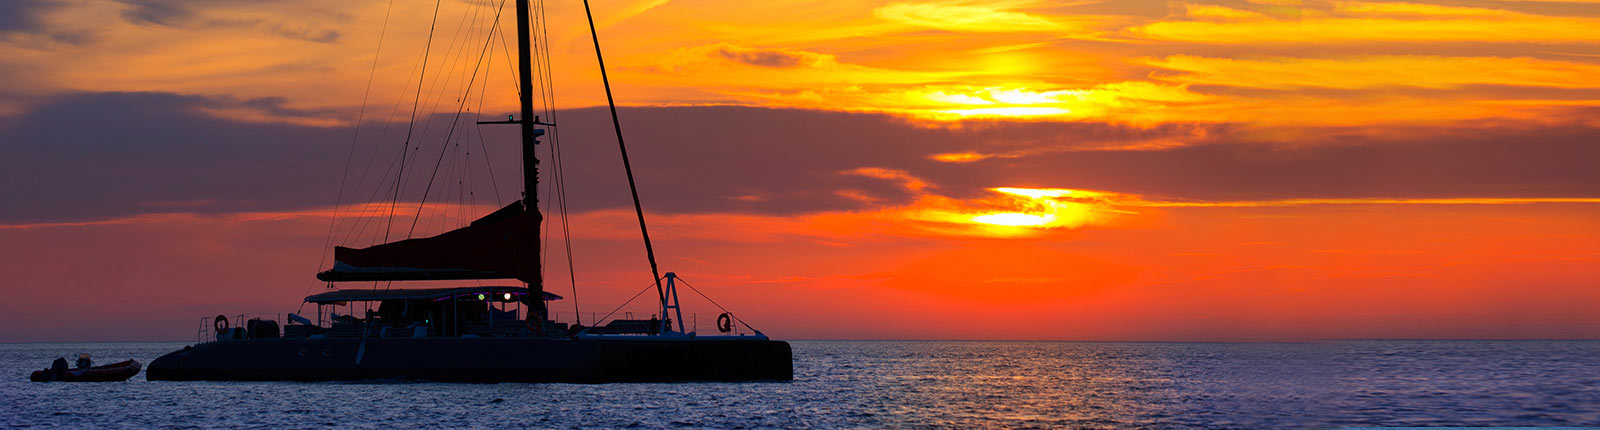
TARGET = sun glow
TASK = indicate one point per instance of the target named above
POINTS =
(1003, 101)
(1033, 193)
(1015, 219)
(1047, 208)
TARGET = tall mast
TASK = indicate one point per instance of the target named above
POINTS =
(530, 158)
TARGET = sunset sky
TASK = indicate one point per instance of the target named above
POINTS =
(921, 169)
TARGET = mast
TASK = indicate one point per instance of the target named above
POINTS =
(649, 251)
(530, 159)
(530, 138)
(481, 249)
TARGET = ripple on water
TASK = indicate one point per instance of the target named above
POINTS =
(846, 384)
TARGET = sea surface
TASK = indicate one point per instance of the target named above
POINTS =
(892, 384)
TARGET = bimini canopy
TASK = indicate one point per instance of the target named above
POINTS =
(467, 293)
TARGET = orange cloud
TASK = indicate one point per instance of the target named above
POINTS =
(965, 18)
(910, 182)
(1382, 71)
(1210, 12)
(1353, 22)
(959, 157)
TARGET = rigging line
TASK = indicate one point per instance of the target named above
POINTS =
(453, 58)
(449, 134)
(452, 215)
(451, 61)
(411, 125)
(486, 158)
(550, 203)
(515, 81)
(566, 229)
(460, 173)
(617, 125)
(549, 77)
(457, 174)
(362, 180)
(714, 303)
(344, 177)
(559, 167)
(542, 50)
(630, 300)
(371, 209)
(537, 60)
(464, 191)
(556, 152)
(544, 244)
(486, 72)
(509, 67)
(546, 70)
(481, 144)
(560, 175)
(441, 215)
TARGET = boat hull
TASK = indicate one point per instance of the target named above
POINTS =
(478, 360)
(109, 373)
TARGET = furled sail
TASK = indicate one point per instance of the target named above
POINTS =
(503, 244)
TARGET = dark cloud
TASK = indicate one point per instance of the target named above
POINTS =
(760, 57)
(21, 23)
(1530, 163)
(272, 106)
(156, 12)
(180, 14)
(97, 156)
(23, 15)
(307, 32)
(702, 157)
(726, 150)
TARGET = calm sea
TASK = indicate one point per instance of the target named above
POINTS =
(847, 384)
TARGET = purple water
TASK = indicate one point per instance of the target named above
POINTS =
(847, 384)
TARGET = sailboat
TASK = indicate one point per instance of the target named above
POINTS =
(474, 333)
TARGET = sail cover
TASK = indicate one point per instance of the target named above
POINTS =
(501, 245)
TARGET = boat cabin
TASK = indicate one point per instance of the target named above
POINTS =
(497, 311)
(478, 311)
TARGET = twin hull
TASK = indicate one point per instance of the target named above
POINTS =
(478, 360)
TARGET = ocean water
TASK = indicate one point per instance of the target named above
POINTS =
(883, 384)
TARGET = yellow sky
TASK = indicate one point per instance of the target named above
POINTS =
(1269, 63)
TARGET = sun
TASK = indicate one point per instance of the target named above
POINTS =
(1015, 219)
(1044, 208)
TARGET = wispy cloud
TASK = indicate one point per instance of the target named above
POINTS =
(1377, 71)
(963, 17)
(1356, 22)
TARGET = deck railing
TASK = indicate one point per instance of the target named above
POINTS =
(701, 323)
(207, 332)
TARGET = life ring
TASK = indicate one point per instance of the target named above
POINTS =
(221, 323)
(725, 322)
